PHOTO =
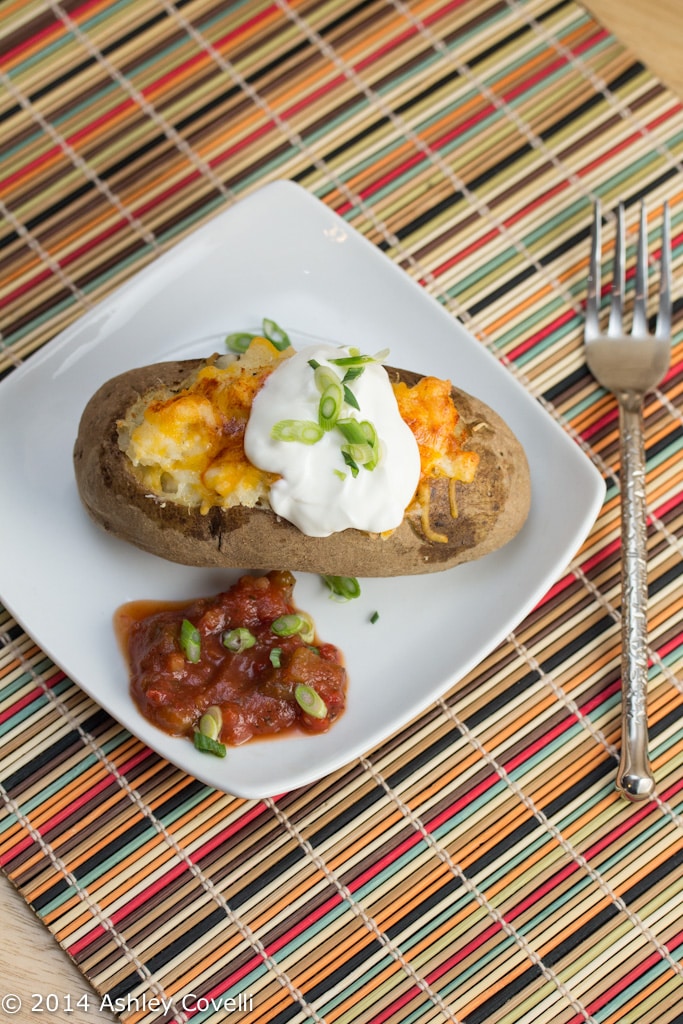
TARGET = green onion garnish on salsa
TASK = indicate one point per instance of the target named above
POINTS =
(190, 641)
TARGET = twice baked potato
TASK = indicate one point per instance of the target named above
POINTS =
(160, 462)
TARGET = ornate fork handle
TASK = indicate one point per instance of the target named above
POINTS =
(634, 777)
(630, 366)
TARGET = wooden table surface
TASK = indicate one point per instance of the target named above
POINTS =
(32, 966)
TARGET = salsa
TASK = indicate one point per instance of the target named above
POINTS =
(246, 658)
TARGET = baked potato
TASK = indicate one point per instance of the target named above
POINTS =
(471, 498)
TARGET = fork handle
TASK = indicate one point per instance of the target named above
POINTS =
(634, 778)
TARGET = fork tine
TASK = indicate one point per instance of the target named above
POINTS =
(591, 322)
(663, 329)
(615, 326)
(640, 325)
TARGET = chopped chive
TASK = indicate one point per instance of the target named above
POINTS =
(346, 587)
(239, 342)
(275, 335)
(304, 431)
(190, 641)
(275, 657)
(208, 745)
(239, 639)
(309, 701)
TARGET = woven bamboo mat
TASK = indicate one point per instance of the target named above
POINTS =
(478, 866)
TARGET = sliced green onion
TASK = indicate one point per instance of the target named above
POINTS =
(239, 342)
(190, 641)
(208, 745)
(304, 431)
(293, 624)
(356, 359)
(287, 625)
(353, 373)
(307, 633)
(363, 448)
(362, 454)
(330, 406)
(275, 335)
(206, 737)
(372, 439)
(313, 363)
(353, 466)
(353, 360)
(340, 473)
(324, 377)
(275, 656)
(374, 617)
(352, 431)
(211, 722)
(369, 432)
(239, 639)
(346, 587)
(309, 701)
(350, 398)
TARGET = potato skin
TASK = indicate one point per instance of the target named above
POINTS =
(491, 510)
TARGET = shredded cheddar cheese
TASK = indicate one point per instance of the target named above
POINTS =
(189, 447)
(428, 409)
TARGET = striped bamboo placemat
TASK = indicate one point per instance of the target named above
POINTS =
(478, 866)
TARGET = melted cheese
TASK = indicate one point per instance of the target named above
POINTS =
(428, 409)
(188, 447)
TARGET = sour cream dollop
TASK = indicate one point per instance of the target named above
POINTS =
(317, 491)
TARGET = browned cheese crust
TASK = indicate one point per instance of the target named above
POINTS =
(491, 510)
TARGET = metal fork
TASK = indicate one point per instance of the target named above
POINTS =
(630, 366)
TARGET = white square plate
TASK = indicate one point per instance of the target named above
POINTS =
(278, 253)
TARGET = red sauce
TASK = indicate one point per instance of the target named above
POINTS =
(256, 697)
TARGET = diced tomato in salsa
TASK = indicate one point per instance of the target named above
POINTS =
(253, 687)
